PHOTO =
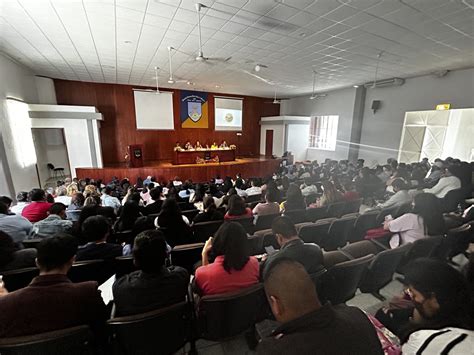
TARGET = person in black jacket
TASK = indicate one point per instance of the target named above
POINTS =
(307, 327)
(210, 212)
(292, 247)
(154, 207)
(153, 285)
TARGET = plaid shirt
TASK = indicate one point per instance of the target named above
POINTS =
(50, 226)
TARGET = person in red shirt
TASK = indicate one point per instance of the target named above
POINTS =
(237, 209)
(38, 209)
(232, 268)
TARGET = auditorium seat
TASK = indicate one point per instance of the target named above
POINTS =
(384, 213)
(255, 245)
(31, 243)
(422, 248)
(190, 214)
(269, 239)
(315, 232)
(352, 206)
(122, 237)
(449, 203)
(317, 279)
(313, 214)
(16, 279)
(338, 233)
(203, 230)
(341, 281)
(247, 223)
(336, 209)
(265, 221)
(162, 331)
(457, 240)
(380, 271)
(401, 210)
(362, 224)
(186, 255)
(227, 315)
(72, 341)
(297, 216)
(124, 265)
(91, 270)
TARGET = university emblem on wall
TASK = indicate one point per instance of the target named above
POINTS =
(194, 109)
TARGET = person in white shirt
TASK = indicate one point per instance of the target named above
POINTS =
(108, 200)
(441, 320)
(254, 189)
(22, 202)
(447, 183)
(400, 197)
(308, 188)
(62, 197)
(426, 219)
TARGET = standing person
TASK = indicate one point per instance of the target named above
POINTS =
(38, 208)
(307, 326)
(442, 320)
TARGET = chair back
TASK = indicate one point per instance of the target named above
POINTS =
(91, 270)
(247, 223)
(341, 281)
(72, 341)
(297, 216)
(162, 331)
(122, 237)
(31, 243)
(338, 233)
(402, 209)
(190, 214)
(381, 269)
(450, 201)
(255, 245)
(362, 224)
(384, 213)
(203, 230)
(336, 209)
(314, 233)
(265, 221)
(16, 279)
(253, 198)
(317, 278)
(352, 206)
(186, 255)
(124, 265)
(269, 239)
(226, 315)
(458, 240)
(313, 214)
(422, 248)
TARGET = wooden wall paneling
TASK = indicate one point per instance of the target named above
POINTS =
(118, 130)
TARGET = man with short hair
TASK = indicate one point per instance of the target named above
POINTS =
(292, 247)
(22, 202)
(16, 226)
(157, 198)
(56, 222)
(38, 208)
(254, 189)
(401, 196)
(447, 183)
(96, 229)
(442, 317)
(306, 326)
(108, 200)
(153, 285)
(51, 301)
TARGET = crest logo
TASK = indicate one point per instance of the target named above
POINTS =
(194, 111)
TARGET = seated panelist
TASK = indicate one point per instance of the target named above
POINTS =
(198, 146)
(224, 145)
(188, 146)
(178, 147)
(214, 146)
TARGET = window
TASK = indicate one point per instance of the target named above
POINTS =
(323, 132)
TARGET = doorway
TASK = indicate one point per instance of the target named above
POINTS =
(52, 162)
(269, 142)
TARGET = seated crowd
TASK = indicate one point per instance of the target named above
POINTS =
(90, 219)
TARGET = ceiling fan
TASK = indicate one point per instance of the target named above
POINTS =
(200, 55)
(313, 94)
(171, 79)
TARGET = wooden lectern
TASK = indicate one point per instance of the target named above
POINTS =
(135, 153)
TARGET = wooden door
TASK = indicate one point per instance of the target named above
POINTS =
(269, 143)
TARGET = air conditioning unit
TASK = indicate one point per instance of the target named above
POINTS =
(385, 83)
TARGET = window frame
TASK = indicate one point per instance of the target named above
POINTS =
(327, 124)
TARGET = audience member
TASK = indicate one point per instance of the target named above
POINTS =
(447, 183)
(210, 212)
(56, 222)
(237, 209)
(153, 285)
(232, 268)
(292, 247)
(306, 326)
(22, 202)
(156, 201)
(401, 196)
(108, 200)
(51, 301)
(330, 194)
(62, 196)
(96, 229)
(174, 225)
(254, 189)
(38, 208)
(270, 206)
(11, 257)
(16, 226)
(442, 320)
(294, 199)
(350, 193)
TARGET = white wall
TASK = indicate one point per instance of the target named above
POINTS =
(46, 90)
(297, 140)
(459, 141)
(18, 82)
(381, 132)
(339, 102)
(278, 138)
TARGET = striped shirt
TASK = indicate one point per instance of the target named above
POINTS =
(453, 341)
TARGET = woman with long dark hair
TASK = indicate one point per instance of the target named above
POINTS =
(174, 225)
(237, 208)
(233, 268)
(294, 199)
(128, 216)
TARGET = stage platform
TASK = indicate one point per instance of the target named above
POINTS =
(165, 171)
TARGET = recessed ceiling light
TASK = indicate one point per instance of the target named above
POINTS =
(356, 86)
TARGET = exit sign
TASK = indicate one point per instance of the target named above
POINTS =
(442, 107)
